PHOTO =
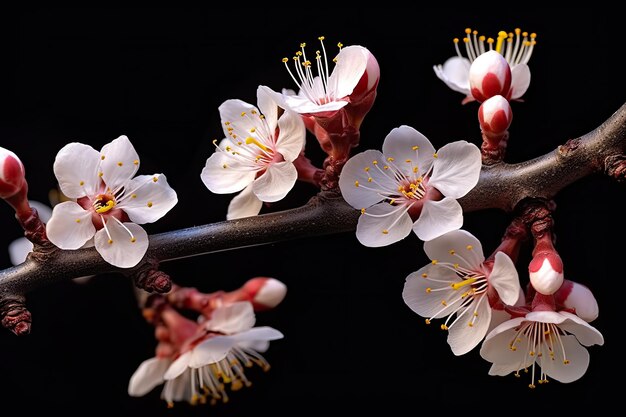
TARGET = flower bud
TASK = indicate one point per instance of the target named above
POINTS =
(579, 298)
(495, 116)
(12, 175)
(265, 293)
(369, 79)
(489, 75)
(546, 272)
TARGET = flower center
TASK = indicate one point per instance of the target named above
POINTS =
(316, 84)
(516, 51)
(104, 203)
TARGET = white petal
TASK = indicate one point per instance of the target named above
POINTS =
(456, 169)
(43, 210)
(399, 145)
(262, 333)
(224, 175)
(546, 317)
(351, 64)
(577, 356)
(437, 218)
(244, 204)
(211, 351)
(180, 365)
(455, 73)
(146, 200)
(178, 389)
(370, 231)
(238, 115)
(76, 169)
(303, 105)
(358, 170)
(119, 249)
(504, 279)
(520, 80)
(277, 97)
(462, 337)
(19, 250)
(120, 162)
(466, 250)
(584, 332)
(232, 318)
(497, 318)
(428, 303)
(502, 370)
(291, 135)
(276, 181)
(147, 376)
(70, 226)
(268, 107)
(496, 348)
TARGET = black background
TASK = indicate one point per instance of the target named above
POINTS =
(158, 76)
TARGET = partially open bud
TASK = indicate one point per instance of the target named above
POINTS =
(495, 117)
(12, 175)
(369, 80)
(579, 298)
(489, 75)
(546, 272)
(265, 293)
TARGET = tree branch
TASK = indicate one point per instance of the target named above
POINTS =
(500, 186)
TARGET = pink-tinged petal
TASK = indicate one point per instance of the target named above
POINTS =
(456, 169)
(503, 370)
(464, 337)
(407, 144)
(244, 204)
(456, 246)
(504, 279)
(211, 351)
(224, 175)
(584, 332)
(423, 294)
(237, 115)
(354, 183)
(385, 224)
(497, 318)
(276, 182)
(119, 162)
(118, 247)
(180, 365)
(291, 135)
(232, 318)
(76, 169)
(178, 389)
(520, 80)
(277, 97)
(302, 105)
(579, 298)
(566, 368)
(268, 107)
(438, 218)
(70, 226)
(262, 333)
(455, 73)
(546, 317)
(350, 66)
(496, 347)
(147, 376)
(147, 198)
(19, 250)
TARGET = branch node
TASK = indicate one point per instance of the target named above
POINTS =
(149, 278)
(615, 167)
(536, 213)
(15, 316)
(570, 146)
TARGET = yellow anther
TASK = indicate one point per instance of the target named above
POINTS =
(533, 35)
(149, 204)
(435, 155)
(375, 162)
(468, 30)
(385, 232)
(531, 353)
(455, 40)
(424, 275)
(434, 262)
(414, 148)
(253, 112)
(370, 179)
(428, 290)
(133, 239)
(470, 324)
(285, 60)
(302, 45)
(469, 247)
(456, 266)
(224, 166)
(119, 164)
(518, 31)
(566, 362)
(489, 41)
(243, 113)
(390, 159)
(392, 201)
(226, 123)
(77, 220)
(386, 167)
(525, 34)
(155, 179)
(110, 241)
(321, 38)
(427, 321)
(102, 157)
(108, 206)
(451, 251)
(362, 211)
(298, 53)
(228, 149)
(339, 45)
(443, 303)
(100, 174)
(356, 183)
(252, 130)
(482, 38)
(474, 32)
(133, 196)
(466, 40)
(366, 169)
(257, 143)
(82, 183)
(408, 161)
(444, 327)
(136, 162)
(415, 169)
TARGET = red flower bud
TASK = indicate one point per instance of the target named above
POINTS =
(489, 75)
(12, 175)
(546, 272)
(495, 116)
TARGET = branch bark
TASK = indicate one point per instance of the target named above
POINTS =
(501, 186)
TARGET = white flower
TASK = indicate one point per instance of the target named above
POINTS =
(455, 71)
(459, 285)
(321, 90)
(107, 197)
(552, 340)
(408, 180)
(229, 344)
(256, 156)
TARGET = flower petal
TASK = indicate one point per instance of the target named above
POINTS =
(504, 279)
(391, 224)
(268, 107)
(584, 332)
(211, 351)
(462, 337)
(456, 169)
(232, 318)
(118, 247)
(70, 226)
(456, 246)
(147, 376)
(350, 66)
(244, 204)
(455, 73)
(291, 135)
(569, 368)
(425, 302)
(43, 210)
(399, 145)
(237, 115)
(437, 218)
(119, 162)
(224, 175)
(262, 333)
(520, 80)
(354, 183)
(302, 105)
(76, 169)
(19, 250)
(180, 365)
(496, 348)
(276, 181)
(147, 198)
